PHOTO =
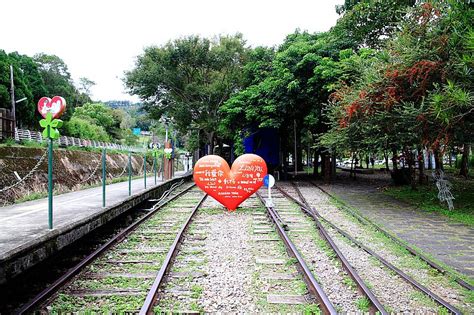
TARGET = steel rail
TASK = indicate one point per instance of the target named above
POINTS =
(56, 285)
(402, 275)
(147, 307)
(313, 286)
(376, 304)
(411, 250)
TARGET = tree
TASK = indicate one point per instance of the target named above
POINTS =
(57, 79)
(85, 85)
(28, 83)
(114, 123)
(189, 79)
(293, 86)
(96, 113)
(413, 89)
(369, 23)
(84, 129)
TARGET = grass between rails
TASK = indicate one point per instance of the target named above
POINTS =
(426, 198)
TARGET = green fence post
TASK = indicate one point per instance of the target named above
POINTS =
(129, 173)
(144, 168)
(50, 179)
(51, 132)
(154, 164)
(104, 171)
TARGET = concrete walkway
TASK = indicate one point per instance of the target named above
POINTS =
(28, 221)
(448, 241)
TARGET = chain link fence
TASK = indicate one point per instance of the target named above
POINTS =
(18, 190)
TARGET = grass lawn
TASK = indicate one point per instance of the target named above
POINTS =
(426, 198)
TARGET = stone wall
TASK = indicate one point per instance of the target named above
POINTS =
(71, 168)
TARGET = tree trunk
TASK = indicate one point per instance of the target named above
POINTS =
(308, 157)
(430, 160)
(421, 166)
(221, 147)
(438, 160)
(285, 165)
(465, 161)
(299, 150)
(327, 167)
(385, 153)
(451, 157)
(352, 173)
(394, 159)
(323, 165)
(210, 144)
(316, 164)
(411, 169)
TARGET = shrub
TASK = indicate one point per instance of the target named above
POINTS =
(130, 138)
(9, 142)
(459, 158)
(81, 128)
(33, 144)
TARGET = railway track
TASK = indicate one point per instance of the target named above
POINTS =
(119, 274)
(159, 260)
(419, 285)
(340, 288)
(411, 250)
(260, 276)
(188, 254)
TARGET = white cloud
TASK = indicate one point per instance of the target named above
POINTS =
(100, 39)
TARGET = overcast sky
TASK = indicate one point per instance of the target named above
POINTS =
(100, 39)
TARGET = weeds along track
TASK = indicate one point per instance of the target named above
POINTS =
(119, 274)
(339, 283)
(401, 281)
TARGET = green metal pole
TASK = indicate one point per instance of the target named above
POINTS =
(144, 168)
(104, 165)
(50, 180)
(129, 173)
(154, 164)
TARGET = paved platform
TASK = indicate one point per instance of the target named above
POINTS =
(24, 226)
(448, 241)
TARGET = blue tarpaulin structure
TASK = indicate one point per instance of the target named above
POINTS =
(264, 142)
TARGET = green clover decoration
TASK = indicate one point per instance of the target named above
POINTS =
(53, 124)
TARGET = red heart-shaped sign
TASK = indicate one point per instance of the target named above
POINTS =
(55, 106)
(230, 186)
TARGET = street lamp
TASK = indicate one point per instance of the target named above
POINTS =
(165, 120)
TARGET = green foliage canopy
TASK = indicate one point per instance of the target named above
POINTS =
(189, 79)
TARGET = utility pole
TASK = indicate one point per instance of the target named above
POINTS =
(13, 98)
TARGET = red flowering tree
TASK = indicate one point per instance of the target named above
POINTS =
(415, 97)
